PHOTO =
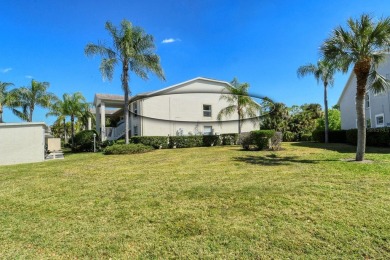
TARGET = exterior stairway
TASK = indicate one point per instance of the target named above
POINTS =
(115, 133)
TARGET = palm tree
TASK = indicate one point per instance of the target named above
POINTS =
(5, 98)
(72, 105)
(323, 71)
(76, 107)
(363, 46)
(59, 109)
(134, 50)
(29, 97)
(239, 102)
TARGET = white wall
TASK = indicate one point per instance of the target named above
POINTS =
(22, 143)
(165, 114)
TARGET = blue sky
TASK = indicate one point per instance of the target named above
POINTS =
(260, 42)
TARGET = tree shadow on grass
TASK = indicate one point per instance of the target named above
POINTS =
(341, 147)
(273, 159)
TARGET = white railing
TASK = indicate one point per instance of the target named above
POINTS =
(116, 132)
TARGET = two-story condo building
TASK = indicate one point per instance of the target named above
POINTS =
(187, 108)
(377, 106)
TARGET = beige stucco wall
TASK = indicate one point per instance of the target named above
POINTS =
(22, 143)
(182, 110)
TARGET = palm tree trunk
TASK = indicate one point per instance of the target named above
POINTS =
(31, 114)
(326, 113)
(1, 113)
(361, 126)
(125, 86)
(361, 69)
(64, 131)
(72, 125)
(239, 123)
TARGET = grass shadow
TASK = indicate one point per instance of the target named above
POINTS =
(341, 147)
(273, 160)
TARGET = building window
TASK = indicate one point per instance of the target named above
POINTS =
(135, 109)
(367, 100)
(207, 130)
(379, 120)
(135, 130)
(207, 110)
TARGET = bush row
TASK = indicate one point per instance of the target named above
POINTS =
(334, 136)
(374, 136)
(127, 149)
(163, 142)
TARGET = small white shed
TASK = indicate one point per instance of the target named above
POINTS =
(22, 142)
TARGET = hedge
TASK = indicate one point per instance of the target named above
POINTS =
(334, 136)
(127, 149)
(260, 139)
(374, 136)
(155, 141)
(212, 140)
(185, 141)
(229, 139)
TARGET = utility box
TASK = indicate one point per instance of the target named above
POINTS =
(22, 143)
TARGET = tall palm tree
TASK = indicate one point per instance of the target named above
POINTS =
(323, 71)
(239, 102)
(76, 107)
(5, 98)
(134, 50)
(361, 45)
(29, 97)
(59, 109)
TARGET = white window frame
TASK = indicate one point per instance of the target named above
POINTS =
(207, 133)
(367, 100)
(383, 120)
(135, 128)
(135, 109)
(207, 111)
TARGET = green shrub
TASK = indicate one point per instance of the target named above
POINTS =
(374, 136)
(306, 137)
(83, 141)
(276, 141)
(185, 141)
(155, 141)
(127, 149)
(245, 140)
(260, 139)
(106, 143)
(289, 136)
(229, 139)
(351, 136)
(120, 141)
(212, 140)
(378, 136)
(334, 136)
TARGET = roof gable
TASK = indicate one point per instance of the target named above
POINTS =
(208, 86)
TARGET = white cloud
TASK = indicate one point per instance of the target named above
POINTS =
(6, 70)
(170, 40)
(28, 76)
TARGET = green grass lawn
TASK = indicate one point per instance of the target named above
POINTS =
(211, 202)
